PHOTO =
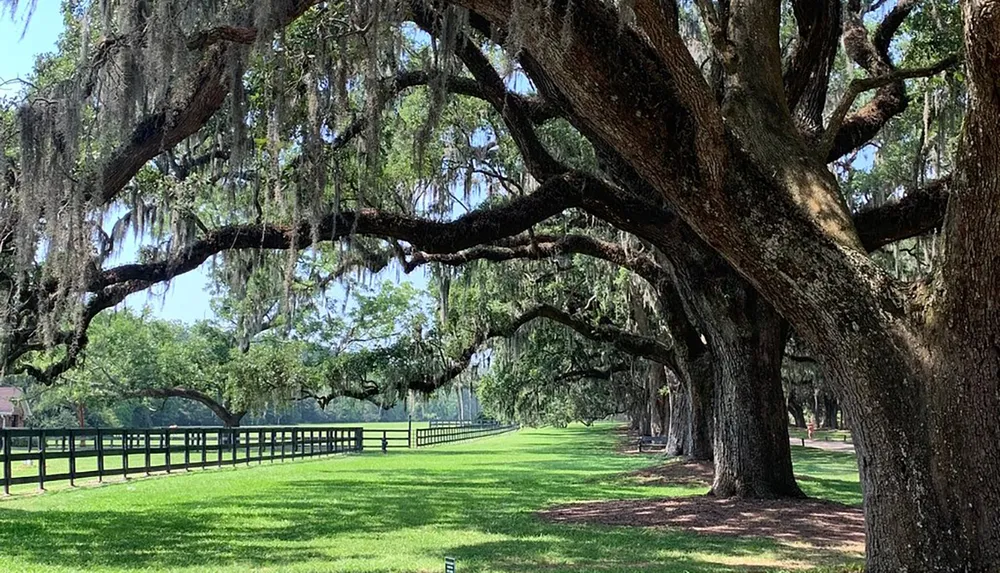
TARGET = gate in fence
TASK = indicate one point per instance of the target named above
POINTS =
(44, 456)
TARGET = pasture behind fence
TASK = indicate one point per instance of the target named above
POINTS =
(47, 455)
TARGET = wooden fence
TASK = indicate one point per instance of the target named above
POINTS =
(46, 455)
(54, 455)
(460, 423)
(444, 434)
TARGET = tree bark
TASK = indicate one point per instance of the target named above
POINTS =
(752, 452)
(795, 409)
(679, 428)
(658, 412)
(700, 400)
(830, 411)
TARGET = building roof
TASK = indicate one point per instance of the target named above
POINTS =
(9, 396)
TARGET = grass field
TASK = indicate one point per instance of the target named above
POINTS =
(402, 512)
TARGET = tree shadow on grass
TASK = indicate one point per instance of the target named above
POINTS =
(331, 514)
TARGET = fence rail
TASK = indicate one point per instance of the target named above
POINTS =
(446, 434)
(388, 439)
(59, 455)
(462, 423)
(47, 455)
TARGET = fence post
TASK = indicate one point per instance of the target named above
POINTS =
(72, 458)
(146, 450)
(41, 460)
(204, 448)
(295, 441)
(100, 456)
(187, 451)
(166, 438)
(5, 434)
(235, 444)
(359, 439)
(124, 454)
(246, 444)
(409, 432)
(219, 445)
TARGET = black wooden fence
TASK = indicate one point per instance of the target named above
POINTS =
(47, 455)
(440, 434)
(55, 455)
(456, 423)
(388, 439)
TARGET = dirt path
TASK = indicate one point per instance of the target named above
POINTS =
(829, 446)
(811, 522)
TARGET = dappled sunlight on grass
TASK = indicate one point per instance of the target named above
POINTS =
(404, 511)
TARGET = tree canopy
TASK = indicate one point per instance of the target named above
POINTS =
(690, 185)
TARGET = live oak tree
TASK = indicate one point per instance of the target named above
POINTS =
(716, 152)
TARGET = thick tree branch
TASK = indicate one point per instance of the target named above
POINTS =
(478, 227)
(595, 373)
(537, 110)
(544, 246)
(197, 99)
(921, 211)
(537, 159)
(227, 416)
(807, 70)
(859, 86)
(890, 100)
(633, 344)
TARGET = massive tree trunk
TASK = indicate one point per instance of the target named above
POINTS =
(752, 452)
(658, 411)
(679, 428)
(830, 410)
(795, 409)
(744, 178)
(747, 339)
(701, 398)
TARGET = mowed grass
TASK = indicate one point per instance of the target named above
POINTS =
(405, 511)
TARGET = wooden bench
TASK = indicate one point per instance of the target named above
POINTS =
(652, 442)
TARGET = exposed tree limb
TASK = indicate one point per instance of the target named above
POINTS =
(873, 56)
(859, 86)
(919, 212)
(229, 418)
(807, 70)
(537, 159)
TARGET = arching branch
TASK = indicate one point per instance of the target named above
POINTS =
(872, 54)
(229, 418)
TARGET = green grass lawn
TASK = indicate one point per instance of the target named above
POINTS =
(404, 511)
